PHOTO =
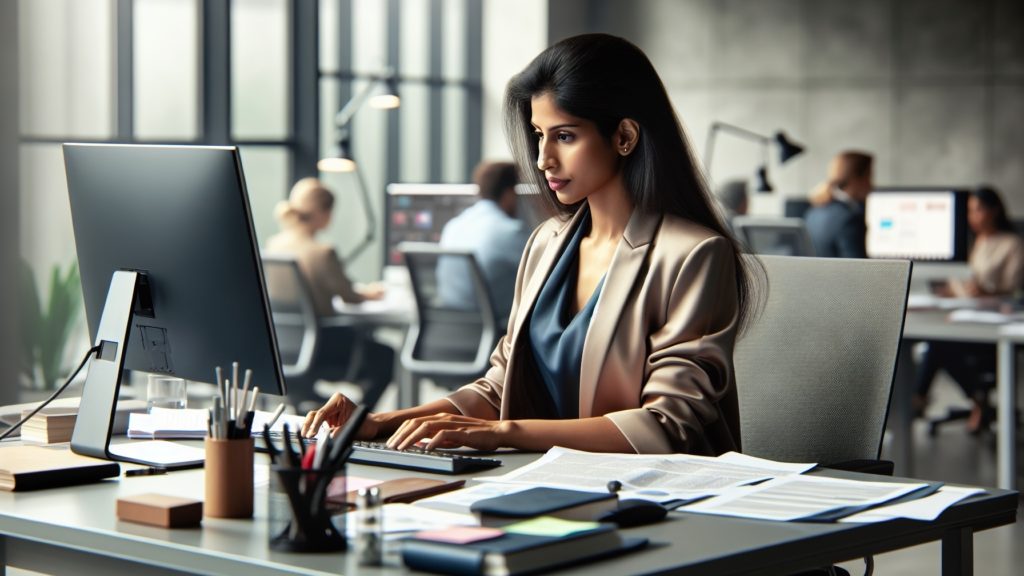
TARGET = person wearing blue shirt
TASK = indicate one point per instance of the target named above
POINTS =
(836, 223)
(490, 229)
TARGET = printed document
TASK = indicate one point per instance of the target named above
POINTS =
(659, 477)
(928, 508)
(802, 498)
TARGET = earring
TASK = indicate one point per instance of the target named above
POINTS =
(625, 149)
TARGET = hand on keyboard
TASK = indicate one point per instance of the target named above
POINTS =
(448, 431)
(335, 413)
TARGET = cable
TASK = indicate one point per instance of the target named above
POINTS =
(53, 396)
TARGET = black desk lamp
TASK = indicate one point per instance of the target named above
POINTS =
(787, 149)
(341, 160)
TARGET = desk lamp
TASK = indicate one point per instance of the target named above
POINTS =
(340, 158)
(787, 149)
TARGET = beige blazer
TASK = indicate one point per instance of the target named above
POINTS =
(657, 358)
(320, 266)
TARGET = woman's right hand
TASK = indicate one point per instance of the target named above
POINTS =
(335, 413)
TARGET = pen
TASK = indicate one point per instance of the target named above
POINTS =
(245, 392)
(252, 399)
(277, 414)
(150, 471)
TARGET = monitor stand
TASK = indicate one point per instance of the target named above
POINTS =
(96, 411)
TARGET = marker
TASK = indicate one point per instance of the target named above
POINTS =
(150, 471)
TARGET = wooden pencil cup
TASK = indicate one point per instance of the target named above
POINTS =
(229, 479)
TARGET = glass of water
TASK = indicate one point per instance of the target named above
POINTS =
(166, 392)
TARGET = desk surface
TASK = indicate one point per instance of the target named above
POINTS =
(79, 521)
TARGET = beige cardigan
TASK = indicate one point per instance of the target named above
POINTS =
(657, 359)
(320, 266)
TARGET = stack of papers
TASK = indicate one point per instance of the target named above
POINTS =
(50, 425)
(661, 477)
(184, 423)
(804, 498)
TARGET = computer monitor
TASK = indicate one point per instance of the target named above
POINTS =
(418, 213)
(171, 275)
(917, 223)
(776, 236)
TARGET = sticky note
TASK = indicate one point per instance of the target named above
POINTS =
(460, 534)
(549, 526)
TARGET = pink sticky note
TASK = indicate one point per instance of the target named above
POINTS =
(340, 486)
(460, 534)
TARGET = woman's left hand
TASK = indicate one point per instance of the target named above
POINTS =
(450, 431)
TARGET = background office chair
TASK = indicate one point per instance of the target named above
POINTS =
(301, 333)
(451, 341)
(814, 372)
(776, 236)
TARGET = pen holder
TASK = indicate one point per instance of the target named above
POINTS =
(300, 517)
(229, 479)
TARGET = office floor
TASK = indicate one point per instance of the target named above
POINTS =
(955, 456)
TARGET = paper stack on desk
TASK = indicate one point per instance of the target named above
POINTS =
(50, 425)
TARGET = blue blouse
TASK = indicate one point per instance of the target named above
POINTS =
(556, 336)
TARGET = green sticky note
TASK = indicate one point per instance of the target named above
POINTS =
(549, 526)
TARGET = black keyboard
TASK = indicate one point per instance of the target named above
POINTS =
(378, 454)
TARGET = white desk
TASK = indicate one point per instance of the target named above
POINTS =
(932, 325)
(74, 531)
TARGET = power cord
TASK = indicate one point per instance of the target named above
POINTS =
(53, 396)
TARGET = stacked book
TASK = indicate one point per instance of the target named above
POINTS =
(50, 425)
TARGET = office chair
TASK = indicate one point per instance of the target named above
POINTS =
(815, 370)
(450, 342)
(301, 333)
(775, 236)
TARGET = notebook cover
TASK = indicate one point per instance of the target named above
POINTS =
(37, 467)
(539, 502)
(546, 552)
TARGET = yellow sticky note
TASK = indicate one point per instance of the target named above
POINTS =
(549, 526)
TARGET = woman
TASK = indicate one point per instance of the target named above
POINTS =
(626, 306)
(997, 270)
(305, 214)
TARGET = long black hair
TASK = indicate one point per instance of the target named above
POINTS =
(605, 79)
(991, 201)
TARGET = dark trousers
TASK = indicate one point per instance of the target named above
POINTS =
(970, 365)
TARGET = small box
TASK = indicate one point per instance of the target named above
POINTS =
(160, 510)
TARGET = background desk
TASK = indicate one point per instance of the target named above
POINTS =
(925, 325)
(74, 531)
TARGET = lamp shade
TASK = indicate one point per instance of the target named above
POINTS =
(339, 160)
(787, 148)
(388, 97)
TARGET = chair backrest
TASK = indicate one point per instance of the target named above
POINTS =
(776, 236)
(814, 371)
(295, 320)
(448, 339)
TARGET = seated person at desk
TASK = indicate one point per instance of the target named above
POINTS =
(490, 229)
(835, 221)
(732, 195)
(627, 305)
(997, 269)
(306, 212)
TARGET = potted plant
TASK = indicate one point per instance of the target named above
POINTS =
(45, 330)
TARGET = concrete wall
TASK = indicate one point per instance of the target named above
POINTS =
(934, 88)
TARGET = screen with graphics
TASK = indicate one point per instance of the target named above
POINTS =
(917, 224)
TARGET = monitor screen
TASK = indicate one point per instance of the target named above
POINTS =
(418, 212)
(918, 224)
(180, 216)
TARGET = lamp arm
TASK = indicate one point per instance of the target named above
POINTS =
(371, 225)
(734, 130)
(350, 108)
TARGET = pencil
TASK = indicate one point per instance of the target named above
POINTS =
(277, 414)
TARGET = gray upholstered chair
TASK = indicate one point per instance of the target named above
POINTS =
(454, 334)
(815, 371)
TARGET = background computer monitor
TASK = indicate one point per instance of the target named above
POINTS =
(919, 224)
(418, 212)
(180, 215)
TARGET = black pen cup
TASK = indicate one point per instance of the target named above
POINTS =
(300, 516)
